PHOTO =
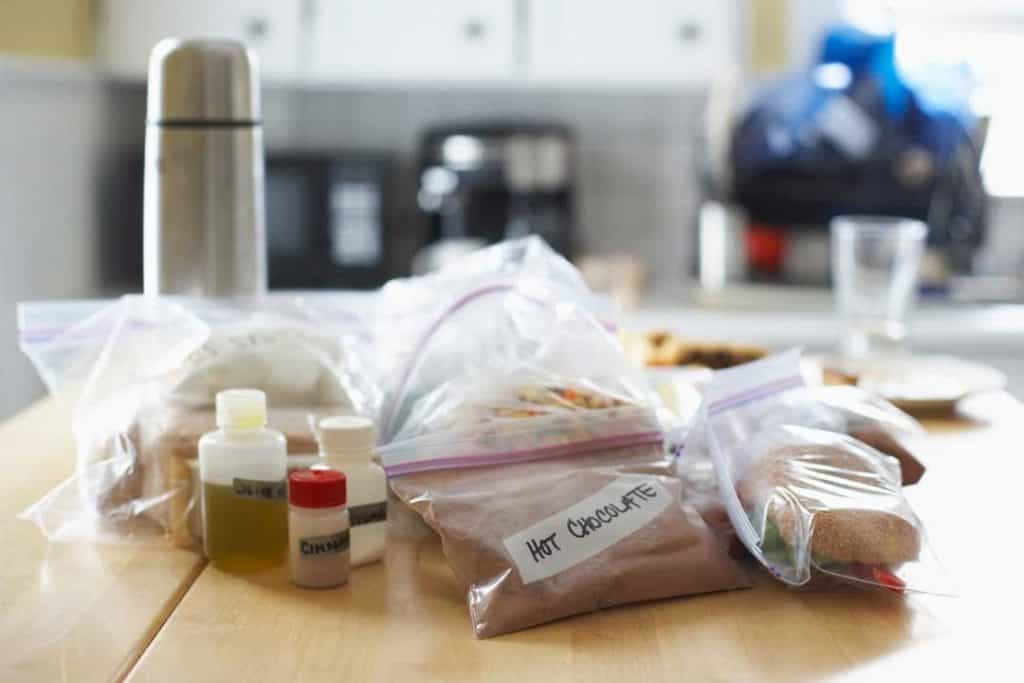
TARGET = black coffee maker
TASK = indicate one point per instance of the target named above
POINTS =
(480, 183)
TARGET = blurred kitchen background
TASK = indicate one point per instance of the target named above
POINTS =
(640, 138)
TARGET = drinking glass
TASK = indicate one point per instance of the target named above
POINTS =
(875, 263)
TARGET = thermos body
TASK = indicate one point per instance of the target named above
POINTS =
(204, 216)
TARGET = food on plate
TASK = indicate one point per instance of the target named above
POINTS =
(839, 504)
(918, 384)
(663, 348)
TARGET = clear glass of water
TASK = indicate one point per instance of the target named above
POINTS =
(875, 263)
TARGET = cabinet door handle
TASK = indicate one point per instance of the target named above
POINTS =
(688, 32)
(474, 29)
(256, 28)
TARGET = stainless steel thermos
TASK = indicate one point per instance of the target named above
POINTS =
(204, 217)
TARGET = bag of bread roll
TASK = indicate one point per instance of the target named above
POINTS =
(140, 375)
(853, 411)
(815, 507)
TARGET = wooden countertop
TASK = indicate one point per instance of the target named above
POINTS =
(82, 613)
(72, 612)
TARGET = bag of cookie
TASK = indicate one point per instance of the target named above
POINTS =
(815, 507)
(139, 376)
(525, 439)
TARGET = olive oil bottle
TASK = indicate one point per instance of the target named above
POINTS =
(243, 467)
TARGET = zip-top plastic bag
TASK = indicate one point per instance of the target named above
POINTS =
(414, 311)
(813, 506)
(840, 409)
(140, 375)
(853, 411)
(526, 440)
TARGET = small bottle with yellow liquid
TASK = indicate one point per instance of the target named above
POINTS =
(243, 467)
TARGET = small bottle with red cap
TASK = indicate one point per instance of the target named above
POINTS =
(318, 528)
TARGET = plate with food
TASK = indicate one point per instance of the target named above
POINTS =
(923, 384)
(677, 367)
(662, 348)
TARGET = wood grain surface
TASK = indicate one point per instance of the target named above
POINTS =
(72, 612)
(82, 613)
(406, 619)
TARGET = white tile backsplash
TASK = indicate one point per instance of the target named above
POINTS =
(636, 152)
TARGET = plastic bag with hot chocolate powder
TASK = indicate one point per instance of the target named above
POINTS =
(525, 439)
(541, 540)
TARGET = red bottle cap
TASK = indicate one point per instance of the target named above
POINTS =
(319, 488)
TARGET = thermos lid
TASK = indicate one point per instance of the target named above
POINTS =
(203, 82)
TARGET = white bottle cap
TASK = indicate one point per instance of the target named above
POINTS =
(347, 434)
(241, 408)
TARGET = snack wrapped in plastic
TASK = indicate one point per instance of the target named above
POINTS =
(813, 506)
(524, 438)
(853, 411)
(411, 312)
(140, 375)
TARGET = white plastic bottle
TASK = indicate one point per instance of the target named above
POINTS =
(346, 445)
(243, 469)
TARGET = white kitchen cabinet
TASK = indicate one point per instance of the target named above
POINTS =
(128, 29)
(403, 40)
(603, 43)
(637, 42)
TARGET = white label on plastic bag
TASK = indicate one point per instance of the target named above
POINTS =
(595, 523)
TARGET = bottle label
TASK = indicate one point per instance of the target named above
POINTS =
(330, 544)
(260, 490)
(368, 514)
(583, 530)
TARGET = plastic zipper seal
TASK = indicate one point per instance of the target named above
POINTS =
(406, 458)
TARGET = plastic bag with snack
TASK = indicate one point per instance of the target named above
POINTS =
(526, 441)
(140, 375)
(813, 506)
(409, 308)
(853, 411)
